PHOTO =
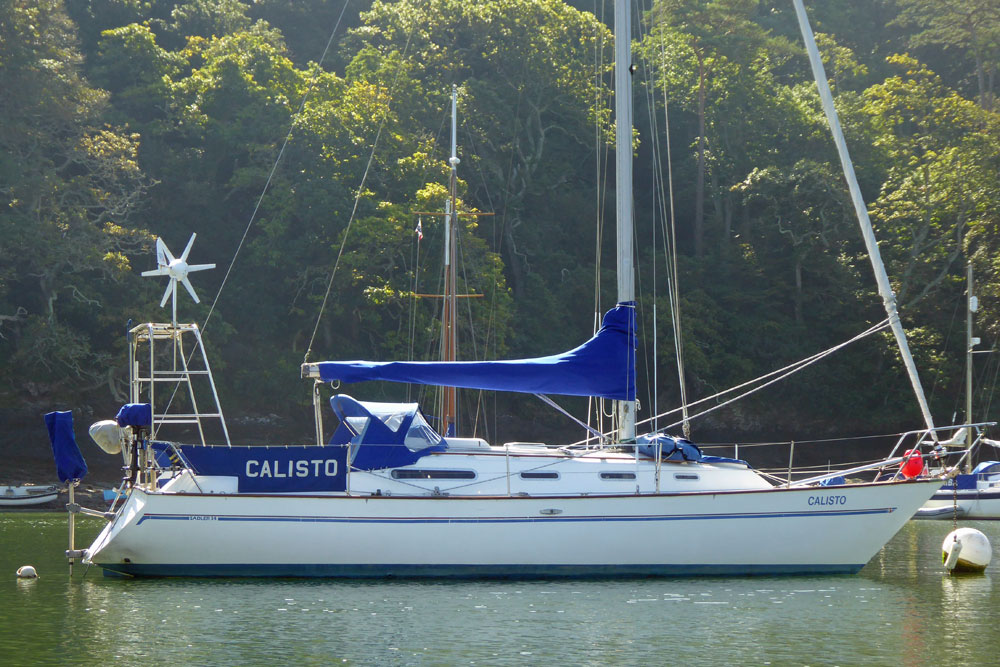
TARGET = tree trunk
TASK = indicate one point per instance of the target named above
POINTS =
(798, 289)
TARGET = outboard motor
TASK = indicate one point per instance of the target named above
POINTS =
(135, 420)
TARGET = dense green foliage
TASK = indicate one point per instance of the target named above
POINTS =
(305, 171)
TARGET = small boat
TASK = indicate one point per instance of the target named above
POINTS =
(21, 496)
(974, 495)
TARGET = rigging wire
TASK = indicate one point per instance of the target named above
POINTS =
(260, 198)
(412, 328)
(673, 278)
(663, 204)
(491, 334)
(780, 374)
(775, 376)
(600, 175)
(274, 167)
(360, 191)
(412, 324)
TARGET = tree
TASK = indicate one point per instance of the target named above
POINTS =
(929, 136)
(720, 39)
(528, 113)
(970, 25)
(72, 185)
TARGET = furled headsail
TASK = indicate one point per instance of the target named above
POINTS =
(604, 366)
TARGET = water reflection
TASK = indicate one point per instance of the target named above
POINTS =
(901, 609)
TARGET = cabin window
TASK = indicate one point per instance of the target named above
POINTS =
(539, 475)
(686, 476)
(433, 474)
(617, 475)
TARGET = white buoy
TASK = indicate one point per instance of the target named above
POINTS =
(26, 572)
(966, 550)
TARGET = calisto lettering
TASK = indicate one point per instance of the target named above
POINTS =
(827, 500)
(300, 468)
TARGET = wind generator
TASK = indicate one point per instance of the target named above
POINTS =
(144, 371)
(178, 270)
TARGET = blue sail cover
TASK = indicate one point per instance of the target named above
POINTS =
(69, 461)
(603, 366)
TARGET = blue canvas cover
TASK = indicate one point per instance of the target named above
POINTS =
(603, 366)
(987, 468)
(378, 436)
(966, 482)
(69, 461)
(677, 449)
(383, 435)
(135, 414)
(672, 449)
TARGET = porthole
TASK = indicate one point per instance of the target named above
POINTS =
(433, 474)
(539, 475)
(618, 476)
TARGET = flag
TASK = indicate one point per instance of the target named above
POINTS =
(419, 230)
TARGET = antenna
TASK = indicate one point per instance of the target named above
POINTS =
(178, 270)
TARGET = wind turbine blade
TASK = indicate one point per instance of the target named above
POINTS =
(184, 255)
(200, 267)
(163, 256)
(162, 271)
(166, 295)
(190, 289)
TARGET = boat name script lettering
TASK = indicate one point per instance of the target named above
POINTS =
(827, 500)
(311, 468)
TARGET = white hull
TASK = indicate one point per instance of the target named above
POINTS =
(970, 505)
(23, 496)
(777, 531)
(977, 497)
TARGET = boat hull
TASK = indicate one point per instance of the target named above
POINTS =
(973, 495)
(778, 531)
(21, 496)
(969, 504)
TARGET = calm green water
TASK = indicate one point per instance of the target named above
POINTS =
(902, 609)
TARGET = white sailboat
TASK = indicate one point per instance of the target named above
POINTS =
(388, 496)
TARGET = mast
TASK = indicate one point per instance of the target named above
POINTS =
(881, 277)
(449, 347)
(623, 181)
(972, 305)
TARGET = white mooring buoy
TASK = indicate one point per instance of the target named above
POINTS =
(966, 550)
(27, 572)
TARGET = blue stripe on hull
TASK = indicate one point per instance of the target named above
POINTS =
(547, 519)
(967, 495)
(460, 571)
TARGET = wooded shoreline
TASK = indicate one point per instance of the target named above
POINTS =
(124, 120)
